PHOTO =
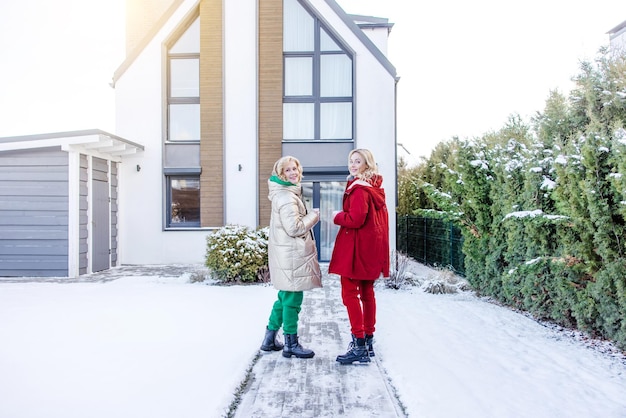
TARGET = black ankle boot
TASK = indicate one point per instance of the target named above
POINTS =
(357, 351)
(369, 343)
(293, 348)
(270, 342)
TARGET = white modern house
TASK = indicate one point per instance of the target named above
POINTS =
(210, 95)
(617, 37)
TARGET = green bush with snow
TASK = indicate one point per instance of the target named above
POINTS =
(542, 205)
(237, 253)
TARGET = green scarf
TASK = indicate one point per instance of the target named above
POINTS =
(280, 181)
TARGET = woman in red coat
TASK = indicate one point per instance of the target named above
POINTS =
(361, 252)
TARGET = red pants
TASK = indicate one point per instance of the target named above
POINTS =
(360, 301)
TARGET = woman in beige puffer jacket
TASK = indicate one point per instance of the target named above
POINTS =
(292, 256)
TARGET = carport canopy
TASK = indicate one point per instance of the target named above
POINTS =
(92, 142)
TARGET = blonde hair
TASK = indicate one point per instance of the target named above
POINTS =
(370, 164)
(279, 167)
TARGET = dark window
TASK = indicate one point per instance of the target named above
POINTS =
(184, 201)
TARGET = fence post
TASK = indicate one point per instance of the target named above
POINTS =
(406, 233)
(424, 228)
(451, 256)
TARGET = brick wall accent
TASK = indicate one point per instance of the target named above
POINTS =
(212, 114)
(270, 97)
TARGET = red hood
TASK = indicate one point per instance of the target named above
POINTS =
(374, 187)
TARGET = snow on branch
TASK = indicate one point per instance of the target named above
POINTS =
(533, 214)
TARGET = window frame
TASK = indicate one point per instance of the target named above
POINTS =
(180, 100)
(316, 98)
(170, 201)
(180, 168)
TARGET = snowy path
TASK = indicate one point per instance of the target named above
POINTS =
(319, 387)
(472, 358)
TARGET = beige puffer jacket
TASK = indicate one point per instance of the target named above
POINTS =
(292, 253)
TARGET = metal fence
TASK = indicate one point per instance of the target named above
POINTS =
(431, 241)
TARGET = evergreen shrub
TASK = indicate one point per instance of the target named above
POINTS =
(237, 253)
(542, 206)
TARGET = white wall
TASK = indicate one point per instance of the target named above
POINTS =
(240, 112)
(618, 43)
(379, 36)
(139, 100)
(139, 113)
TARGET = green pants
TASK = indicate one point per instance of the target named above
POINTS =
(285, 312)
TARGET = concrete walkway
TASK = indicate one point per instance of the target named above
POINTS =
(171, 270)
(319, 387)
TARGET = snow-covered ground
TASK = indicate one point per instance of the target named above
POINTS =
(161, 347)
(461, 356)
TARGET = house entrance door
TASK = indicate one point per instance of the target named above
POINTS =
(328, 196)
(100, 223)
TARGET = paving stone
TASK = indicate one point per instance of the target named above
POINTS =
(319, 387)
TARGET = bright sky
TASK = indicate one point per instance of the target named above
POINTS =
(58, 58)
(465, 67)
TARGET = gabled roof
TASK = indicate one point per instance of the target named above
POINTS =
(92, 141)
(132, 56)
(349, 20)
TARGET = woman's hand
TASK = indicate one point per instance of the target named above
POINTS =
(316, 211)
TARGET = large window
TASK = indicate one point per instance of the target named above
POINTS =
(184, 86)
(317, 96)
(181, 147)
(328, 196)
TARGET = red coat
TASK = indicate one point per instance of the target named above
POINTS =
(362, 245)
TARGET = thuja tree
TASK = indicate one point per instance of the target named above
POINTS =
(578, 275)
(512, 162)
(531, 227)
(531, 283)
(618, 178)
(590, 191)
(608, 316)
(453, 185)
(593, 242)
(470, 200)
(418, 187)
(525, 221)
(409, 196)
(543, 207)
